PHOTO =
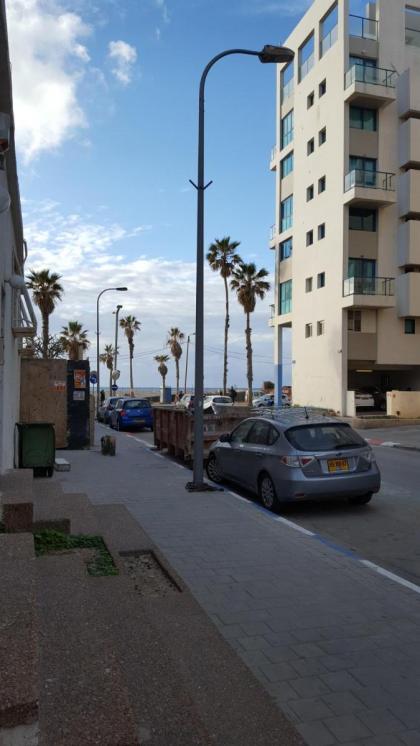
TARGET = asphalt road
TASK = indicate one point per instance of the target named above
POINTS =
(387, 531)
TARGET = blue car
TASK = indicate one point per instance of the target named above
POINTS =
(132, 413)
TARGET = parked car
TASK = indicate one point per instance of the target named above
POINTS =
(213, 404)
(267, 400)
(186, 401)
(290, 458)
(106, 408)
(363, 398)
(132, 413)
(379, 397)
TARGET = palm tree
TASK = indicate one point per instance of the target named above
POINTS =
(107, 357)
(222, 258)
(46, 291)
(163, 370)
(74, 339)
(130, 325)
(249, 284)
(175, 337)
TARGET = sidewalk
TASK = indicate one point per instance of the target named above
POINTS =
(407, 438)
(332, 641)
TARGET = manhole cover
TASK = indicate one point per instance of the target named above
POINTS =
(149, 577)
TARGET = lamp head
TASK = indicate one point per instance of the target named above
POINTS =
(271, 53)
(121, 289)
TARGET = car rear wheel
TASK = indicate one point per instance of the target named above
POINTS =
(267, 492)
(212, 469)
(361, 499)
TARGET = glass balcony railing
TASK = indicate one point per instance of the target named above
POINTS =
(369, 286)
(363, 28)
(272, 232)
(287, 90)
(305, 67)
(369, 179)
(372, 75)
(272, 311)
(329, 40)
(412, 37)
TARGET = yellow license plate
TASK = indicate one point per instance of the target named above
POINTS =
(338, 464)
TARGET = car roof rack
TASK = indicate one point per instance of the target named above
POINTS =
(294, 415)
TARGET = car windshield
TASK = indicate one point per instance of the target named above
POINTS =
(136, 404)
(327, 437)
(222, 400)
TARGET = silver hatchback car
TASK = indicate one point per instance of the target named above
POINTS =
(292, 457)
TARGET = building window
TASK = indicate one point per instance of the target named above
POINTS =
(306, 57)
(362, 268)
(409, 326)
(286, 165)
(365, 170)
(310, 100)
(286, 249)
(310, 193)
(354, 321)
(286, 213)
(328, 30)
(322, 136)
(361, 219)
(286, 130)
(322, 184)
(309, 238)
(322, 88)
(285, 297)
(310, 146)
(287, 81)
(320, 326)
(308, 330)
(412, 26)
(321, 231)
(308, 285)
(363, 119)
(320, 280)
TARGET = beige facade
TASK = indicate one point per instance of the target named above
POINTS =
(347, 228)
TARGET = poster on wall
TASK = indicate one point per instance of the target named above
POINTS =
(79, 379)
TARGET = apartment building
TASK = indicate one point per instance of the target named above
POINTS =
(347, 230)
(17, 319)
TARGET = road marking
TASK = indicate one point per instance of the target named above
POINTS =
(391, 576)
(293, 525)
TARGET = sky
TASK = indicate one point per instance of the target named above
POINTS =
(105, 99)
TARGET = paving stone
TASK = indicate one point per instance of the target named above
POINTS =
(310, 686)
(340, 681)
(411, 738)
(277, 671)
(347, 727)
(343, 703)
(312, 708)
(308, 650)
(380, 721)
(310, 667)
(316, 734)
(280, 653)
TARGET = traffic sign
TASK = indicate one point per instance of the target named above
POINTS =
(93, 379)
(114, 387)
(115, 375)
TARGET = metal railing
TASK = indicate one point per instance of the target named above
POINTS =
(412, 37)
(359, 73)
(362, 27)
(369, 179)
(369, 286)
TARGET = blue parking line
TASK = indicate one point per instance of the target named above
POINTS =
(341, 550)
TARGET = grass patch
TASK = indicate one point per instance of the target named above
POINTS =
(54, 541)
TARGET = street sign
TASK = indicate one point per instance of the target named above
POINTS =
(114, 387)
(93, 379)
(115, 375)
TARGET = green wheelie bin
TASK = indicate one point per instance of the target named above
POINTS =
(35, 447)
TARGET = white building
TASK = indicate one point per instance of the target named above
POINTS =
(347, 231)
(17, 319)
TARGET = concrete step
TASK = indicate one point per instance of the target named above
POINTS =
(76, 508)
(18, 641)
(16, 495)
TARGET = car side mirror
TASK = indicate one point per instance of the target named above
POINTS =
(225, 438)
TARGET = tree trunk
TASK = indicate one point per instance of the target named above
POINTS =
(249, 358)
(45, 334)
(164, 388)
(225, 360)
(131, 363)
(177, 376)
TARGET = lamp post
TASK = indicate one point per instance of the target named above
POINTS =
(186, 361)
(106, 290)
(269, 54)
(117, 310)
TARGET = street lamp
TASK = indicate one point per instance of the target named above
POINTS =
(186, 361)
(117, 310)
(106, 290)
(269, 54)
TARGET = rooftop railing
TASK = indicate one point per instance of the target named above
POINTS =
(369, 286)
(369, 179)
(359, 73)
(362, 27)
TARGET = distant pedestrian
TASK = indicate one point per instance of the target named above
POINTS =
(233, 394)
(102, 396)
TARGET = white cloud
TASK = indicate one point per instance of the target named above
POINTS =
(124, 57)
(161, 4)
(278, 7)
(48, 61)
(92, 255)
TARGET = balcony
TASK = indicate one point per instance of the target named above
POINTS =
(409, 194)
(274, 158)
(408, 94)
(363, 28)
(409, 144)
(408, 295)
(369, 292)
(412, 37)
(408, 245)
(369, 188)
(272, 315)
(372, 86)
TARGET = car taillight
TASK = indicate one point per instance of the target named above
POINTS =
(370, 456)
(297, 461)
(123, 413)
